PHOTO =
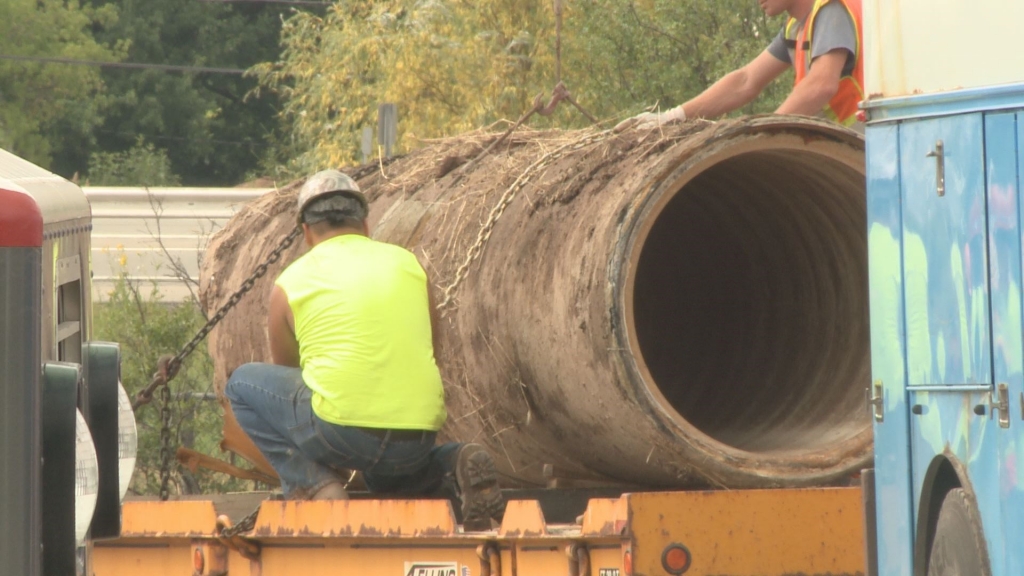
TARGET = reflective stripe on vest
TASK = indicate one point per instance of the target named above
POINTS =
(843, 106)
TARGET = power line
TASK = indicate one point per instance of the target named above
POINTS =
(247, 142)
(129, 65)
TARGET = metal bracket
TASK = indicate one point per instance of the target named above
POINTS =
(940, 167)
(1000, 402)
(875, 402)
(490, 559)
(579, 559)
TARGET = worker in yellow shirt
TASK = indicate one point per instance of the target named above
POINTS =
(354, 384)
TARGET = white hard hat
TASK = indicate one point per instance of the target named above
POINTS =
(329, 182)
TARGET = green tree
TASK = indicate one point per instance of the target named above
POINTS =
(148, 327)
(47, 109)
(141, 165)
(212, 132)
(631, 54)
(455, 65)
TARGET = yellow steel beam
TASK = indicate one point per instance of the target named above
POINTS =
(184, 518)
(358, 518)
(751, 532)
(739, 533)
(165, 560)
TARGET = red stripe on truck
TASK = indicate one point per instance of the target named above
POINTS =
(21, 222)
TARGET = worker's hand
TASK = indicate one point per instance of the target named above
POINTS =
(648, 120)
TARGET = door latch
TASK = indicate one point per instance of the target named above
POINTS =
(875, 401)
(1000, 402)
(940, 166)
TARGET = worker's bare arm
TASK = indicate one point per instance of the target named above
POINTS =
(284, 348)
(736, 89)
(818, 87)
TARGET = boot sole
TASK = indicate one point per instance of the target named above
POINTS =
(477, 477)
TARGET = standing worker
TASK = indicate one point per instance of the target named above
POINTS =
(821, 39)
(354, 384)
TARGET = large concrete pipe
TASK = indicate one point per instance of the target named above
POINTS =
(670, 308)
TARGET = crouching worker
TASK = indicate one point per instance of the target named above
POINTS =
(354, 384)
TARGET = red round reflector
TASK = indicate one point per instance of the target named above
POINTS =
(198, 562)
(862, 116)
(675, 559)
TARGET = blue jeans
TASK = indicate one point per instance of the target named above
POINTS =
(273, 406)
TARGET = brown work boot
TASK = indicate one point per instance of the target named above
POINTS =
(330, 491)
(477, 481)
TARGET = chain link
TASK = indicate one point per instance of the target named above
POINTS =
(165, 443)
(244, 525)
(485, 232)
(145, 396)
(168, 366)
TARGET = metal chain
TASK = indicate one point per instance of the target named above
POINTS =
(485, 232)
(165, 443)
(244, 525)
(167, 367)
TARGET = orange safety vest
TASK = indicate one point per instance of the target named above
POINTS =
(843, 106)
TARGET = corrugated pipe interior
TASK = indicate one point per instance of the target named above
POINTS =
(682, 307)
(745, 298)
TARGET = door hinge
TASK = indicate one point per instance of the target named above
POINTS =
(1000, 402)
(875, 402)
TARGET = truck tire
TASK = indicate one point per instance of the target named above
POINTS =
(958, 548)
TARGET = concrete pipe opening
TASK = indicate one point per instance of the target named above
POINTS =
(749, 301)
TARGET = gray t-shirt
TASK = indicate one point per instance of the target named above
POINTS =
(833, 30)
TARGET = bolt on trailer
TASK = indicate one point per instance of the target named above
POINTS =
(945, 162)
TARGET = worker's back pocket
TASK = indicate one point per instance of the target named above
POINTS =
(306, 439)
(346, 447)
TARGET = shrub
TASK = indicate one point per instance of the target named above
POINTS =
(147, 327)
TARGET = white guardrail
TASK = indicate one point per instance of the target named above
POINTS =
(142, 230)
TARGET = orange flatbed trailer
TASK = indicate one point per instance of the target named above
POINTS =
(818, 531)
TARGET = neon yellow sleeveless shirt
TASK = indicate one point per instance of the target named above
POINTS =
(362, 319)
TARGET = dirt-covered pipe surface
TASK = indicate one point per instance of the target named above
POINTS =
(670, 308)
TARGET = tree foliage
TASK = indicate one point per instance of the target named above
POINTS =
(456, 65)
(141, 165)
(212, 133)
(146, 328)
(46, 108)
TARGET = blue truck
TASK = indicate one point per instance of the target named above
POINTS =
(945, 161)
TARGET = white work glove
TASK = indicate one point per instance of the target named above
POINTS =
(648, 120)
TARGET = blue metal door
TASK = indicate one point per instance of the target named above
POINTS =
(1004, 133)
(947, 310)
(944, 249)
(946, 277)
(888, 361)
